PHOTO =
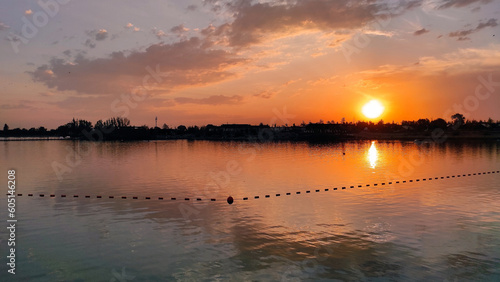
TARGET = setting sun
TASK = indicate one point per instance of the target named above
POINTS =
(373, 109)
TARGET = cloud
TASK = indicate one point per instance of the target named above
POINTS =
(266, 94)
(212, 100)
(192, 8)
(468, 60)
(132, 27)
(98, 34)
(420, 31)
(89, 43)
(22, 105)
(255, 22)
(158, 33)
(179, 29)
(3, 26)
(28, 12)
(462, 34)
(183, 64)
(101, 34)
(460, 3)
(47, 94)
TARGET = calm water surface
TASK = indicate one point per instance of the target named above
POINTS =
(433, 230)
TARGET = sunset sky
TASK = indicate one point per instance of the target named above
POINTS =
(287, 61)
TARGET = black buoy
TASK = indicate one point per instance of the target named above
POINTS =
(230, 200)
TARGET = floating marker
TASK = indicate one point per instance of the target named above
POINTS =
(308, 191)
(298, 192)
(160, 198)
(360, 185)
(52, 196)
(213, 200)
(63, 196)
(277, 195)
(288, 193)
(123, 197)
(256, 197)
(186, 199)
(135, 198)
(230, 200)
(148, 198)
(317, 190)
(335, 188)
(326, 189)
(173, 199)
(87, 196)
(42, 195)
(244, 199)
(30, 195)
(98, 197)
(267, 196)
(111, 197)
(198, 199)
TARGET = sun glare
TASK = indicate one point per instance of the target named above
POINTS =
(373, 109)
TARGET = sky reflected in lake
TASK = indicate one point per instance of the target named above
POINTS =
(409, 226)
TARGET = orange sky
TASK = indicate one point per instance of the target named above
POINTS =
(229, 61)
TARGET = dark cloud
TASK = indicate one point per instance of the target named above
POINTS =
(192, 8)
(101, 35)
(179, 29)
(97, 34)
(212, 100)
(89, 43)
(460, 3)
(462, 34)
(421, 31)
(181, 64)
(255, 21)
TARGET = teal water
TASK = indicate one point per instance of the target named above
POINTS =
(433, 230)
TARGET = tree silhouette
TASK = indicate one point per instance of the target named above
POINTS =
(5, 128)
(458, 119)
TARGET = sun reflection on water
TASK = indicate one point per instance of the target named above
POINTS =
(372, 155)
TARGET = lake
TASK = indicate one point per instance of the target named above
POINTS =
(422, 217)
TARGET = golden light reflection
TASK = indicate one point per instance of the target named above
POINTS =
(373, 155)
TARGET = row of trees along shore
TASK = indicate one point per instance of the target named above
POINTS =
(118, 128)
